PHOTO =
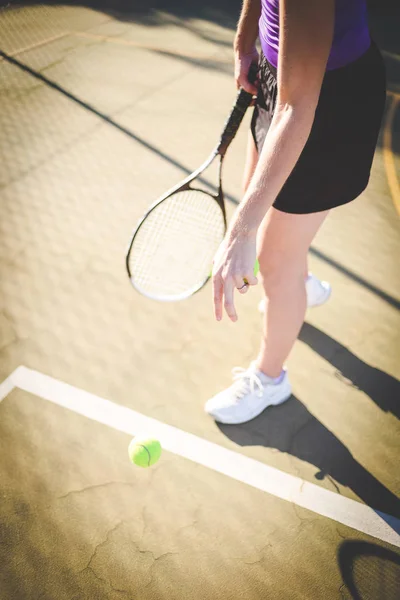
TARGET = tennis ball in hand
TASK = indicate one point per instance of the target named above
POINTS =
(256, 268)
(144, 451)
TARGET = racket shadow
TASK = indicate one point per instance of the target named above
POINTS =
(368, 571)
(292, 429)
(110, 121)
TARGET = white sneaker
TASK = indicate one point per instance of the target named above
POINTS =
(318, 292)
(250, 394)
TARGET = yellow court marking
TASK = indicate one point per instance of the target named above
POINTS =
(113, 40)
(391, 55)
(388, 155)
(38, 44)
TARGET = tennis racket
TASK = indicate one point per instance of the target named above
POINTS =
(171, 250)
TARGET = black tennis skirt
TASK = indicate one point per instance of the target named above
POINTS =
(335, 164)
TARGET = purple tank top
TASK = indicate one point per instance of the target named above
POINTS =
(351, 34)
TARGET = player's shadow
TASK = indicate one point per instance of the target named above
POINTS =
(291, 428)
(383, 389)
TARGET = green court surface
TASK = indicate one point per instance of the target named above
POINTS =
(103, 108)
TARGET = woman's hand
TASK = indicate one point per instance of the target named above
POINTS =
(233, 268)
(243, 62)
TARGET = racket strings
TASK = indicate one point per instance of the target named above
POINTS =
(173, 249)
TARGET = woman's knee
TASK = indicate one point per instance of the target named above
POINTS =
(279, 273)
(283, 244)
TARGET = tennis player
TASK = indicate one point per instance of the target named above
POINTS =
(320, 100)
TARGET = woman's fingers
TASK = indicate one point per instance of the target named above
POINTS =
(218, 292)
(244, 289)
(242, 81)
(223, 292)
(224, 288)
(239, 281)
(241, 284)
(251, 279)
(229, 289)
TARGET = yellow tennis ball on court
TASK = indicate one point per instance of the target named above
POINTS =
(144, 451)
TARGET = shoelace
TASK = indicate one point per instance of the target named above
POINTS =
(246, 381)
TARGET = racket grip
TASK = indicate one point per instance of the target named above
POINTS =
(234, 120)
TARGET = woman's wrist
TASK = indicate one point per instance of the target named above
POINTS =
(242, 227)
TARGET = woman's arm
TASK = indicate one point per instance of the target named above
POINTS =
(245, 43)
(306, 33)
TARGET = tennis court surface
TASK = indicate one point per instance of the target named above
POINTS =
(102, 108)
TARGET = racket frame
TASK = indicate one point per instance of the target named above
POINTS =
(182, 186)
(231, 126)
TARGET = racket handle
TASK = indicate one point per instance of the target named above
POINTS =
(242, 103)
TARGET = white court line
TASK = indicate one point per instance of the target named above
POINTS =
(233, 464)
